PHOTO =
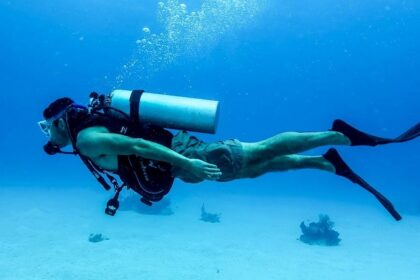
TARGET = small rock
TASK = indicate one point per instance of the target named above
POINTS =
(98, 237)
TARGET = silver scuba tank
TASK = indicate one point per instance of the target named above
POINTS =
(169, 111)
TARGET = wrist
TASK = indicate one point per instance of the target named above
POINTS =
(187, 163)
(183, 162)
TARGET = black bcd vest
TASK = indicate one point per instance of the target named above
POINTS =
(150, 178)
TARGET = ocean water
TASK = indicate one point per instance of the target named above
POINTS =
(275, 66)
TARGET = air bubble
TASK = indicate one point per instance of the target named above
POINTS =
(187, 34)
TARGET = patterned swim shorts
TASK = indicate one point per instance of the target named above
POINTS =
(227, 155)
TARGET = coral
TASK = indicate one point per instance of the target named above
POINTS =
(209, 217)
(320, 233)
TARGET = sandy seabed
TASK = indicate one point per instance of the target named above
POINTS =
(44, 235)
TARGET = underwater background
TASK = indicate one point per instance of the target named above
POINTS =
(274, 65)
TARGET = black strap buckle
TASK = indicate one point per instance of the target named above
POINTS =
(112, 206)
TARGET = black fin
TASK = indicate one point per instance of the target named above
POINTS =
(359, 138)
(342, 169)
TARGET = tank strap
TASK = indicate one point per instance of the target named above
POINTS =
(135, 105)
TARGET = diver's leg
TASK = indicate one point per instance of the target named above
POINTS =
(330, 161)
(284, 163)
(295, 142)
(288, 143)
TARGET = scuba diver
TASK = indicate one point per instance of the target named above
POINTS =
(120, 134)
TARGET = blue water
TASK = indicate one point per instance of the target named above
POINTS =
(279, 66)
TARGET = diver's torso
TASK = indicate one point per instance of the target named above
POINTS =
(107, 162)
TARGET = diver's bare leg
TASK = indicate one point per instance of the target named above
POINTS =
(284, 163)
(295, 142)
(289, 143)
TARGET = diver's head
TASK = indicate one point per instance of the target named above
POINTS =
(54, 124)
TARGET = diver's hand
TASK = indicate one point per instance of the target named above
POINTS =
(204, 170)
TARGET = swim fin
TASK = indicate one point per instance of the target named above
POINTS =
(342, 169)
(359, 138)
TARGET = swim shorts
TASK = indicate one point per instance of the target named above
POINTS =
(227, 155)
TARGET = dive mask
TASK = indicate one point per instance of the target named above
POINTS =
(45, 127)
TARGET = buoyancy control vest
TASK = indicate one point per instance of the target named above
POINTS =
(150, 178)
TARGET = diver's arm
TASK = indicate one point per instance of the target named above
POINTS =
(95, 144)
